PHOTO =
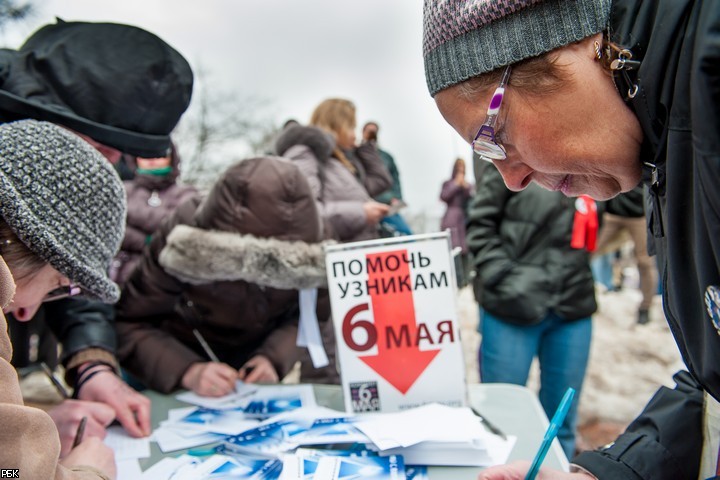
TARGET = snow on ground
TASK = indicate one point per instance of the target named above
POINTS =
(628, 362)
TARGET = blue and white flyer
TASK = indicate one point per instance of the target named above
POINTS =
(351, 468)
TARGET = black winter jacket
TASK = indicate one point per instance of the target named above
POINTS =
(520, 243)
(678, 106)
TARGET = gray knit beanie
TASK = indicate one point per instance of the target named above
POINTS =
(64, 201)
(465, 38)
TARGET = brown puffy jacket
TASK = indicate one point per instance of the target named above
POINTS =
(229, 265)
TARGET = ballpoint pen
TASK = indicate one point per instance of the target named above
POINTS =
(490, 426)
(551, 433)
(208, 351)
(56, 383)
(80, 432)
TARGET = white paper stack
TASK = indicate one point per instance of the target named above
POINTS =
(435, 434)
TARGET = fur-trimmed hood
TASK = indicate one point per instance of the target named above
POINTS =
(320, 142)
(199, 256)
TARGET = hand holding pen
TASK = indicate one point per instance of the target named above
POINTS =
(526, 470)
(210, 379)
(551, 433)
(68, 415)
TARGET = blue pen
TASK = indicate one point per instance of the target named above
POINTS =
(551, 433)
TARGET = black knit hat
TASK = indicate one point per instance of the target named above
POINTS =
(118, 84)
(64, 201)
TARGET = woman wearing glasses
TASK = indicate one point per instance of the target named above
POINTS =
(571, 94)
(62, 212)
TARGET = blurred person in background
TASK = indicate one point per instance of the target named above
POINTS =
(456, 193)
(153, 194)
(215, 296)
(344, 178)
(625, 213)
(393, 224)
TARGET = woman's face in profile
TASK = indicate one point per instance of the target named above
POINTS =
(581, 139)
(30, 291)
(346, 138)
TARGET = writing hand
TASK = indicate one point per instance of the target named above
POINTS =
(518, 470)
(210, 379)
(69, 413)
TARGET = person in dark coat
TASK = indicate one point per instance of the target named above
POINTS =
(538, 292)
(593, 97)
(130, 104)
(456, 193)
(228, 266)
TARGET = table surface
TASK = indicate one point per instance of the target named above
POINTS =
(514, 409)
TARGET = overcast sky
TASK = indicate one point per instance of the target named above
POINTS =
(295, 53)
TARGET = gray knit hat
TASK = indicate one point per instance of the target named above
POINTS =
(64, 201)
(465, 38)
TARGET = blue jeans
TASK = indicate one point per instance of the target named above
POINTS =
(602, 270)
(562, 347)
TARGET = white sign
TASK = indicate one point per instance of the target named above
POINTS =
(395, 314)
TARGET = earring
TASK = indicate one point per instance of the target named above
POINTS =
(598, 51)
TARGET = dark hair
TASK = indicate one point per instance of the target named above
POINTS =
(21, 260)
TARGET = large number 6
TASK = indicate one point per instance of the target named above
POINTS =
(349, 326)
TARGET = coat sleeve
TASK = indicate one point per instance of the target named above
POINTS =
(492, 260)
(663, 443)
(85, 329)
(29, 440)
(80, 323)
(377, 178)
(395, 190)
(148, 299)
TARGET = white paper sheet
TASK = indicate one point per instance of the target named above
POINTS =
(125, 446)
(232, 400)
(309, 330)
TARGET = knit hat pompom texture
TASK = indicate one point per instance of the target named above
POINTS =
(64, 201)
(466, 38)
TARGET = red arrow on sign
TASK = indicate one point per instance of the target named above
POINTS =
(402, 362)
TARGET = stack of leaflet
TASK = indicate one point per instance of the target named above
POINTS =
(217, 418)
(213, 420)
(279, 432)
(435, 434)
(285, 432)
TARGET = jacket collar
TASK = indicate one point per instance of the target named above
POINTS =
(199, 256)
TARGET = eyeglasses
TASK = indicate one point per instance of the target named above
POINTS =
(484, 143)
(62, 292)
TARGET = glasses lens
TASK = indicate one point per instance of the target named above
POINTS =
(488, 149)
